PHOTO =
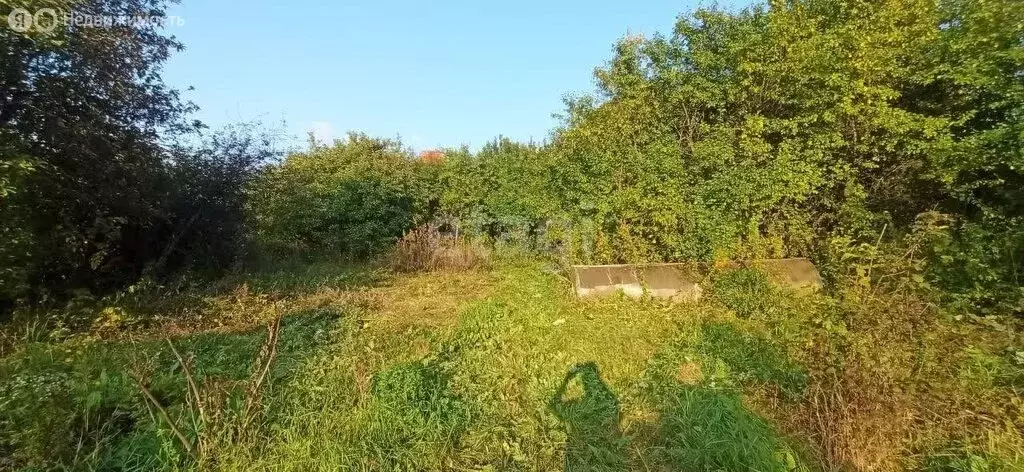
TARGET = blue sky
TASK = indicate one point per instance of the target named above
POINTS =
(435, 73)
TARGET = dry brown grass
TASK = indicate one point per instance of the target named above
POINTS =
(690, 373)
(427, 248)
(426, 300)
(884, 394)
(861, 409)
(859, 424)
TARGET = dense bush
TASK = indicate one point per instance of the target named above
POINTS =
(206, 198)
(772, 130)
(96, 185)
(501, 192)
(978, 266)
(353, 198)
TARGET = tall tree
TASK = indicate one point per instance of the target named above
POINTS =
(85, 107)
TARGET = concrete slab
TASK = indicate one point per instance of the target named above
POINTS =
(796, 273)
(681, 281)
(606, 280)
(671, 281)
(676, 282)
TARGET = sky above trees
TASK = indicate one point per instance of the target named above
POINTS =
(436, 73)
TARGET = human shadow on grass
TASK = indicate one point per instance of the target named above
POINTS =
(699, 428)
(595, 440)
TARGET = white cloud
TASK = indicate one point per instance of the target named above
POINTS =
(322, 131)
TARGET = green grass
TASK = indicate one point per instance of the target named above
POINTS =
(75, 404)
(750, 358)
(503, 370)
(746, 291)
(708, 429)
(296, 276)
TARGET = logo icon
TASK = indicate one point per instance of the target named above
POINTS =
(20, 20)
(44, 24)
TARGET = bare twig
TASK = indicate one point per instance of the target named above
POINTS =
(262, 369)
(163, 414)
(192, 388)
(874, 255)
(272, 334)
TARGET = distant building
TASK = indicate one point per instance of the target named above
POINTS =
(432, 157)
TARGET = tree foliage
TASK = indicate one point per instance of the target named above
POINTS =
(767, 131)
(96, 184)
(354, 198)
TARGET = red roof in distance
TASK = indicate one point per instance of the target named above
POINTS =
(431, 157)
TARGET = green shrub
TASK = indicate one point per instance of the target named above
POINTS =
(979, 266)
(354, 198)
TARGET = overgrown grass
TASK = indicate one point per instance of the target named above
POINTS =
(747, 292)
(74, 404)
(707, 429)
(750, 358)
(295, 276)
(507, 370)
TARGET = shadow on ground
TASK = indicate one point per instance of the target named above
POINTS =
(699, 428)
(595, 441)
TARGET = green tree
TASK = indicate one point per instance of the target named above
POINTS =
(354, 198)
(769, 130)
(88, 108)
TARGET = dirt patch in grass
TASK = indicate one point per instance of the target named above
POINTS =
(690, 373)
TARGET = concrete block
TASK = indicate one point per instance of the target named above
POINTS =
(671, 281)
(681, 281)
(796, 273)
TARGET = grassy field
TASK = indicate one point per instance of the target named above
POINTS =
(503, 369)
